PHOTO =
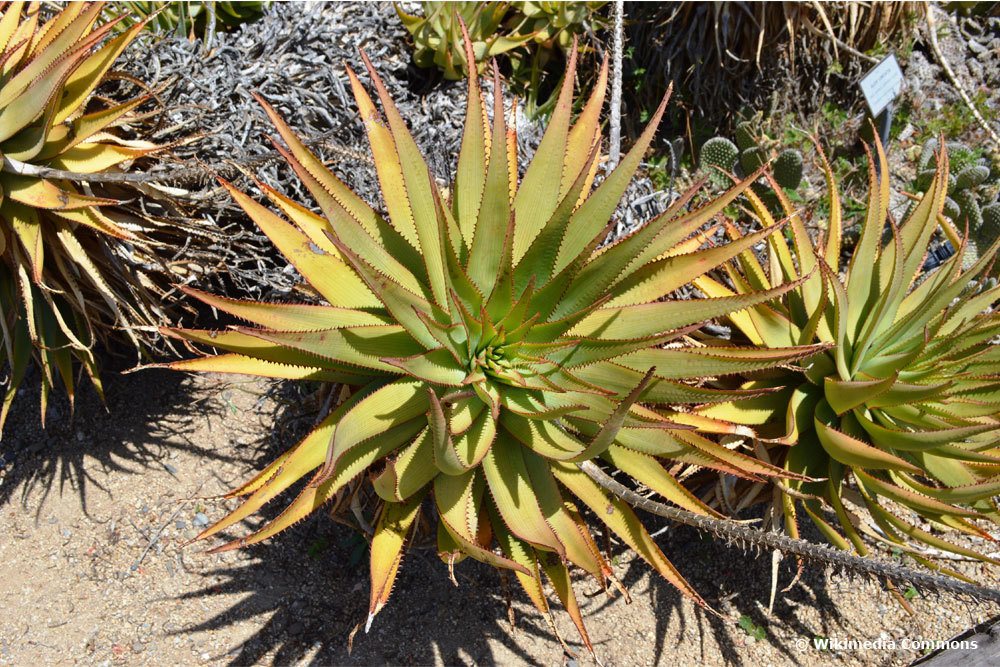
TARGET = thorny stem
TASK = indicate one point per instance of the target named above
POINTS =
(736, 532)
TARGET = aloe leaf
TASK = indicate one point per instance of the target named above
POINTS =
(597, 209)
(418, 189)
(648, 471)
(510, 487)
(329, 276)
(854, 452)
(391, 529)
(536, 200)
(407, 473)
(624, 523)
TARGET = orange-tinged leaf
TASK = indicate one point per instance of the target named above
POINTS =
(28, 229)
(854, 452)
(394, 523)
(43, 194)
(240, 364)
(288, 316)
(595, 212)
(458, 503)
(314, 496)
(418, 188)
(563, 585)
(536, 198)
(409, 472)
(567, 525)
(510, 487)
(620, 518)
(388, 407)
(917, 501)
(328, 275)
(647, 470)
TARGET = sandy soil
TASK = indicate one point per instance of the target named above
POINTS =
(94, 512)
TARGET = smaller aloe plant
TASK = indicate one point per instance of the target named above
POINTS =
(487, 347)
(437, 35)
(904, 407)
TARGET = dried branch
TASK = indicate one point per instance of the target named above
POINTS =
(732, 531)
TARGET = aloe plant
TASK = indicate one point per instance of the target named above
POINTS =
(488, 345)
(63, 285)
(903, 408)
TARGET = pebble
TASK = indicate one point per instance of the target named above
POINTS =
(200, 519)
(169, 468)
(180, 524)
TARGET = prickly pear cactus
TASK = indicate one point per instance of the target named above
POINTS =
(788, 168)
(972, 193)
(751, 150)
(718, 153)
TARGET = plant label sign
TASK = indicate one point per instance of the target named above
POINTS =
(882, 84)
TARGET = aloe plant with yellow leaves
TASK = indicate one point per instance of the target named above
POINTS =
(488, 345)
(904, 406)
(61, 286)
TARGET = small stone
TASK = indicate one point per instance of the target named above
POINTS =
(296, 629)
(200, 519)
(138, 647)
(169, 468)
(180, 524)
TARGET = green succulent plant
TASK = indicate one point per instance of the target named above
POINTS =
(903, 409)
(437, 35)
(189, 18)
(720, 156)
(487, 344)
(527, 34)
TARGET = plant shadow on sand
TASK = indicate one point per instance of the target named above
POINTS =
(306, 590)
(147, 415)
(740, 579)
